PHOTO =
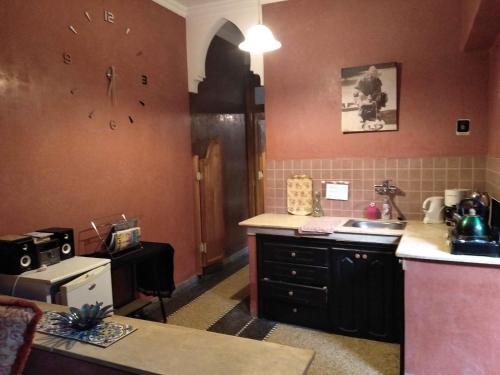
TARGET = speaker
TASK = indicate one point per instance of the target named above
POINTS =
(17, 254)
(65, 238)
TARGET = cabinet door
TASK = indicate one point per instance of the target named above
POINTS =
(362, 302)
(378, 295)
(347, 295)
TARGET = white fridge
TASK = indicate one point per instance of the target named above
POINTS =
(71, 282)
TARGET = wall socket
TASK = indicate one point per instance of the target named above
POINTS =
(463, 127)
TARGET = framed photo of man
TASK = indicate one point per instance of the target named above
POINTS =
(370, 98)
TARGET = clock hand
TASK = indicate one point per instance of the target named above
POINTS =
(111, 75)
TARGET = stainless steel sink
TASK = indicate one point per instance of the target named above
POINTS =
(399, 225)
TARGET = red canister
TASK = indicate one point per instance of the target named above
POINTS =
(372, 212)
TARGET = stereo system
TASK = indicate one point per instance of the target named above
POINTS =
(20, 253)
(65, 238)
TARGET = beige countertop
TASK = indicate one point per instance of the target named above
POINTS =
(418, 240)
(157, 348)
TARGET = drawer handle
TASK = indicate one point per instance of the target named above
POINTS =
(294, 272)
(364, 256)
(357, 256)
(293, 254)
(290, 293)
(295, 310)
(92, 287)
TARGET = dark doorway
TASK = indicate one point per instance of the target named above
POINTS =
(220, 110)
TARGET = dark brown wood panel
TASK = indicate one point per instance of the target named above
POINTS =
(230, 130)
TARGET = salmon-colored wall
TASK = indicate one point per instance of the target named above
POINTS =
(439, 83)
(494, 100)
(58, 167)
(470, 10)
(450, 322)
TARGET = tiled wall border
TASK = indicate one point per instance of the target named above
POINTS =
(493, 176)
(418, 178)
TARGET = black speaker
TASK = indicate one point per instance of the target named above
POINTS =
(17, 254)
(66, 240)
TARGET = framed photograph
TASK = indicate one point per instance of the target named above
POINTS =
(370, 98)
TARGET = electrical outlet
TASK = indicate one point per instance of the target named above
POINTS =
(463, 127)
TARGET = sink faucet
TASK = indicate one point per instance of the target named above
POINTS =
(386, 188)
(389, 191)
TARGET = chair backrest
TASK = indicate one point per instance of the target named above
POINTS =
(18, 320)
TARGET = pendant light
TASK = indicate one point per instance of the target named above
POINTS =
(259, 38)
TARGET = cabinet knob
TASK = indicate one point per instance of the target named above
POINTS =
(293, 272)
(293, 254)
(357, 256)
(290, 293)
(364, 256)
(295, 310)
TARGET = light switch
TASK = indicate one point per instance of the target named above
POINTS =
(463, 127)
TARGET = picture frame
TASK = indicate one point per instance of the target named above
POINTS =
(370, 98)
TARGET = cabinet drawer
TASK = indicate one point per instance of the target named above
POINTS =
(296, 273)
(293, 253)
(313, 317)
(293, 293)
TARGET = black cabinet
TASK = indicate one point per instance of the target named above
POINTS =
(351, 288)
(293, 281)
(364, 287)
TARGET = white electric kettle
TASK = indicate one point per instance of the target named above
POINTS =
(434, 210)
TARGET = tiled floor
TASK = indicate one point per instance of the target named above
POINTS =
(219, 303)
(237, 321)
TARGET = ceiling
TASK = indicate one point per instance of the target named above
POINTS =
(183, 7)
(191, 3)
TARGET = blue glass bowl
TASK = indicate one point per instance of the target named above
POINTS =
(85, 318)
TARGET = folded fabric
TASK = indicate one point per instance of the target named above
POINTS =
(18, 320)
(320, 225)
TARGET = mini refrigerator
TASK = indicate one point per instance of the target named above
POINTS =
(91, 287)
(72, 282)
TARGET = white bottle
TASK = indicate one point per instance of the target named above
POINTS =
(386, 210)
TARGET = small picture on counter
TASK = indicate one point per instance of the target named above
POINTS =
(370, 98)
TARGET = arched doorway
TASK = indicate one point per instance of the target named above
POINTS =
(225, 109)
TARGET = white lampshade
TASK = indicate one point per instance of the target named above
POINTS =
(259, 39)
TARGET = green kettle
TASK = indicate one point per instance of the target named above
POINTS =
(472, 227)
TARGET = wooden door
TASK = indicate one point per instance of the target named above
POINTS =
(347, 293)
(256, 155)
(209, 206)
(379, 294)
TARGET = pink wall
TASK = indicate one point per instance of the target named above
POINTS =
(439, 83)
(470, 10)
(494, 100)
(58, 166)
(451, 320)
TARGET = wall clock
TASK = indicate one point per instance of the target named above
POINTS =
(110, 74)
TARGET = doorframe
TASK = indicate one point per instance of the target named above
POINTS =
(255, 158)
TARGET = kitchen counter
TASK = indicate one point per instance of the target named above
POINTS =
(417, 240)
(448, 299)
(157, 348)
